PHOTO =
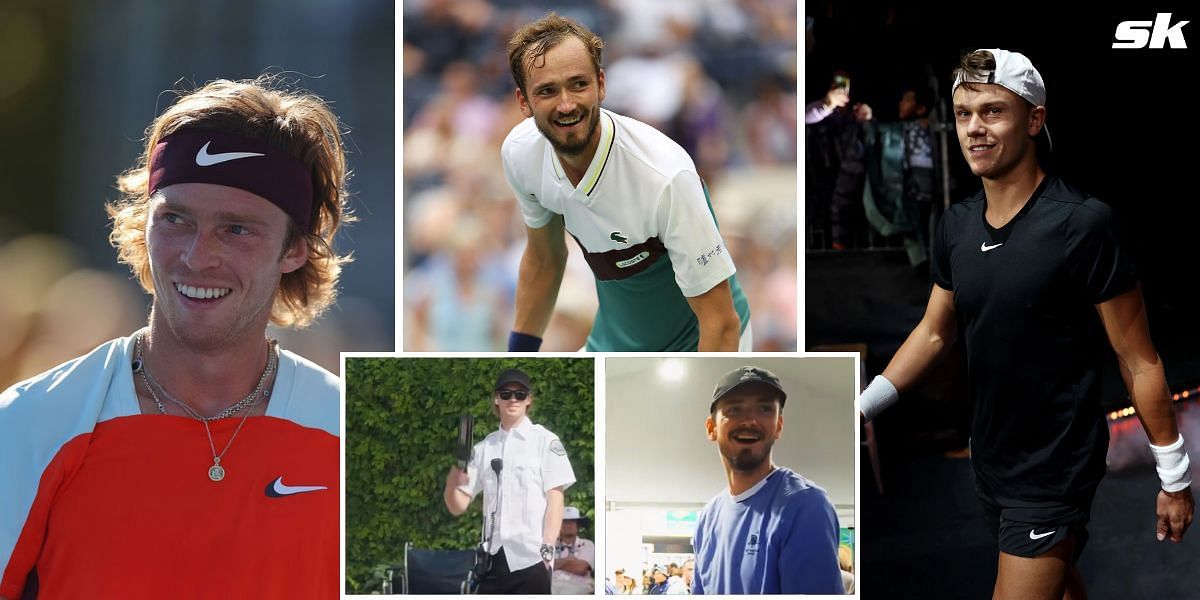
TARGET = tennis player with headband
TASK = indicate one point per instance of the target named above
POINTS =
(195, 457)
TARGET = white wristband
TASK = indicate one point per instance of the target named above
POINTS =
(877, 397)
(1172, 463)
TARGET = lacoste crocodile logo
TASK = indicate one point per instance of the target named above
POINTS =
(617, 237)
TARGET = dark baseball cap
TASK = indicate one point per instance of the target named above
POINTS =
(512, 376)
(746, 375)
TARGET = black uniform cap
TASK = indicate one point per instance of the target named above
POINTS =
(744, 375)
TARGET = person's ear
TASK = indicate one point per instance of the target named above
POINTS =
(523, 103)
(295, 255)
(1037, 119)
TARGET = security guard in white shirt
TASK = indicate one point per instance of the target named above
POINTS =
(522, 470)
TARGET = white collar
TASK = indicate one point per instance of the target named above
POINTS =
(591, 177)
(746, 495)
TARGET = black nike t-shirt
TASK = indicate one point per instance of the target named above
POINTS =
(1024, 301)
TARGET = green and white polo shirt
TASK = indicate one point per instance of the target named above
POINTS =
(644, 222)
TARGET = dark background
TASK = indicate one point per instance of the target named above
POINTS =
(1122, 131)
(1119, 119)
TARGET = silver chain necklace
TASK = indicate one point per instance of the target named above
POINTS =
(216, 472)
(139, 366)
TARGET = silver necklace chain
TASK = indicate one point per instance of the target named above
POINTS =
(248, 402)
(216, 472)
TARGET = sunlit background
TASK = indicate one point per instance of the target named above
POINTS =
(718, 77)
(82, 80)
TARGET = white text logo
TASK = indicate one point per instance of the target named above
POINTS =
(1138, 34)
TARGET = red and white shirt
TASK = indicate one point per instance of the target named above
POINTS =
(99, 500)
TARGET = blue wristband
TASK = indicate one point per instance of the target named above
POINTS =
(523, 342)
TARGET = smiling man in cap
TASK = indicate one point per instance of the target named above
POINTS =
(522, 470)
(195, 451)
(772, 531)
(1031, 273)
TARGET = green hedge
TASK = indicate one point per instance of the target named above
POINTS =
(401, 425)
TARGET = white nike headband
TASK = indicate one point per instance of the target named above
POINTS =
(207, 156)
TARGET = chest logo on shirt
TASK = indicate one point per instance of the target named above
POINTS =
(752, 545)
(621, 264)
(278, 489)
(618, 238)
(984, 247)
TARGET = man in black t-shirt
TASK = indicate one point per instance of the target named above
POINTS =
(1030, 275)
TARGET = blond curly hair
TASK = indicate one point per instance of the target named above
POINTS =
(297, 122)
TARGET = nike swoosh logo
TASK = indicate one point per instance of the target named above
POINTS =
(1038, 536)
(984, 247)
(277, 488)
(204, 159)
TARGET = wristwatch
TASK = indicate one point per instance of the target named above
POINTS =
(547, 553)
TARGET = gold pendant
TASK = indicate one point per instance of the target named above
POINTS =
(216, 472)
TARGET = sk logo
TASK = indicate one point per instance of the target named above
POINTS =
(1154, 34)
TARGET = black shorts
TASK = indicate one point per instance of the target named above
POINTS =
(1032, 528)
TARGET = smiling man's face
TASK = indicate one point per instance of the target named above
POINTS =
(563, 94)
(995, 128)
(745, 425)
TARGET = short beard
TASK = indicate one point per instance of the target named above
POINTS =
(577, 148)
(746, 461)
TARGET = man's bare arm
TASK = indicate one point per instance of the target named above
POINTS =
(928, 343)
(541, 274)
(1124, 319)
(720, 326)
(576, 566)
(552, 521)
(456, 500)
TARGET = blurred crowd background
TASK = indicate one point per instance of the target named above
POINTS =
(80, 82)
(717, 76)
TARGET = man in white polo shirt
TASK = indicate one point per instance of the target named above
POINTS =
(629, 196)
(522, 470)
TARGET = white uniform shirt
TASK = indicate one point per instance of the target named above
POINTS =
(534, 462)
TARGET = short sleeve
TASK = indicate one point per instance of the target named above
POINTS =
(475, 485)
(535, 215)
(1095, 258)
(812, 546)
(689, 231)
(939, 267)
(556, 468)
